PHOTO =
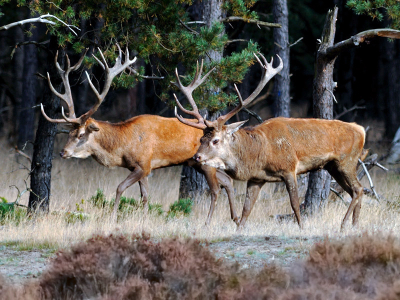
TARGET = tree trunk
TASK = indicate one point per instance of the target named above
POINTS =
(193, 183)
(27, 112)
(39, 198)
(18, 69)
(319, 181)
(281, 90)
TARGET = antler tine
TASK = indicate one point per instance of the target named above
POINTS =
(70, 120)
(187, 122)
(187, 91)
(99, 62)
(78, 64)
(268, 71)
(50, 119)
(110, 74)
(67, 96)
(105, 65)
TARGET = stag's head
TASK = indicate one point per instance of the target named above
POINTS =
(82, 130)
(218, 138)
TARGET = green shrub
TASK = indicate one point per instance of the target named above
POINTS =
(126, 204)
(181, 207)
(9, 212)
(156, 208)
(99, 199)
(71, 217)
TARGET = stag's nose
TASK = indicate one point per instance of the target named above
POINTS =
(197, 157)
(62, 153)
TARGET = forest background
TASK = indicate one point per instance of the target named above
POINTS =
(366, 76)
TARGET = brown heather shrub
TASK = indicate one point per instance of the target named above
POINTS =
(117, 267)
(120, 267)
(28, 291)
(367, 265)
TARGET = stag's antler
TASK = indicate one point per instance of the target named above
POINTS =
(67, 96)
(187, 91)
(267, 73)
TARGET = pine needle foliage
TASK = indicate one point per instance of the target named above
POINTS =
(378, 9)
(157, 32)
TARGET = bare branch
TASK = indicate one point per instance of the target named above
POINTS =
(359, 38)
(23, 154)
(144, 76)
(252, 21)
(188, 28)
(338, 116)
(41, 19)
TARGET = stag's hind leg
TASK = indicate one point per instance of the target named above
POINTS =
(291, 186)
(136, 175)
(347, 179)
(252, 192)
(144, 191)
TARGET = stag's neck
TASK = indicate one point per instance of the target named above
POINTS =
(244, 160)
(109, 143)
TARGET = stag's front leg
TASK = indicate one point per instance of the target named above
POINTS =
(136, 175)
(291, 186)
(253, 190)
(212, 181)
(227, 183)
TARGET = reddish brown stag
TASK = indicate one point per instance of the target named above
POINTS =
(140, 144)
(279, 149)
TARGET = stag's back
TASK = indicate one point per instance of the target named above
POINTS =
(163, 141)
(308, 144)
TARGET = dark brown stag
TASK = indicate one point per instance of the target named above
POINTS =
(140, 144)
(279, 149)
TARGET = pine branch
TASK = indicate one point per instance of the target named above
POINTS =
(252, 21)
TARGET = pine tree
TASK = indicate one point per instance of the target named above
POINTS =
(159, 33)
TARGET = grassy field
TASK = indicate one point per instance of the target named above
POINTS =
(75, 181)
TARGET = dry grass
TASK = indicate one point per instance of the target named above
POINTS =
(74, 180)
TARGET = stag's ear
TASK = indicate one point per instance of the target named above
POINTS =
(92, 127)
(232, 128)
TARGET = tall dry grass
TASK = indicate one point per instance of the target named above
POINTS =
(74, 180)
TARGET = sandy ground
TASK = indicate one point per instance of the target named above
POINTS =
(249, 252)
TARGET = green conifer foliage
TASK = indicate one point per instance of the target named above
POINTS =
(375, 9)
(156, 32)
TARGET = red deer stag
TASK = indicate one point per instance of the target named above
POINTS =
(140, 144)
(279, 149)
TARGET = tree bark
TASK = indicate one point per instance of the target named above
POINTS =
(18, 69)
(27, 112)
(319, 181)
(39, 198)
(192, 182)
(281, 90)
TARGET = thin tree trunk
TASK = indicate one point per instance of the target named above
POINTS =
(39, 198)
(18, 69)
(193, 184)
(319, 181)
(281, 90)
(27, 112)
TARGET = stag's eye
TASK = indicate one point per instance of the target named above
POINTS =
(216, 141)
(81, 135)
